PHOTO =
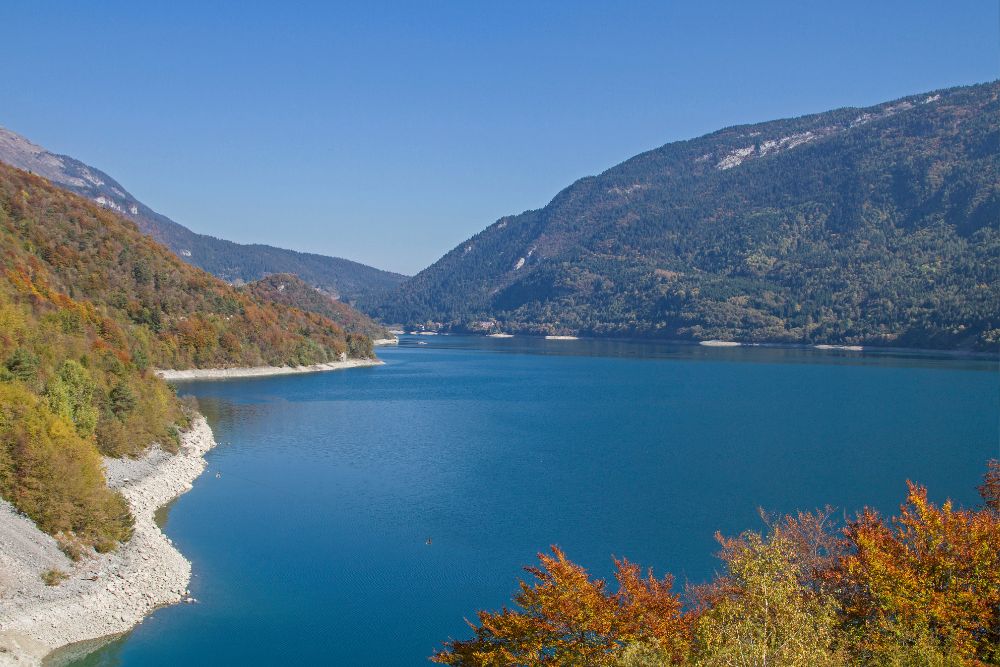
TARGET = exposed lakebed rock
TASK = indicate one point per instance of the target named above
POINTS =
(106, 594)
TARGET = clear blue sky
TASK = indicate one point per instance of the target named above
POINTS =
(388, 133)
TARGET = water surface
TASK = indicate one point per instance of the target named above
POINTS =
(310, 547)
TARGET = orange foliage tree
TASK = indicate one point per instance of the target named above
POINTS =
(570, 619)
(932, 575)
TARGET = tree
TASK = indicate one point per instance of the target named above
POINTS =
(53, 475)
(990, 489)
(23, 364)
(570, 619)
(931, 577)
(359, 346)
(71, 395)
(122, 400)
(761, 613)
(922, 590)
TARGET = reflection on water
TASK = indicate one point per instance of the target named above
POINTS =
(101, 652)
(651, 349)
(162, 514)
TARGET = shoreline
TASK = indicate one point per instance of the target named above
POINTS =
(880, 350)
(262, 371)
(108, 594)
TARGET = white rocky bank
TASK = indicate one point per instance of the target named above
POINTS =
(263, 371)
(108, 594)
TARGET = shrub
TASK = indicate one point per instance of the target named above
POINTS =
(54, 577)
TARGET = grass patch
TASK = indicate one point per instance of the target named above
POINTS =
(54, 577)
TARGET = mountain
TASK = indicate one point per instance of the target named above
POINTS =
(233, 262)
(855, 226)
(290, 290)
(89, 305)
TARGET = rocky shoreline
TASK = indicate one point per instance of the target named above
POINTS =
(262, 371)
(110, 593)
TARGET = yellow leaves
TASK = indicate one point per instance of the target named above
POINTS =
(763, 614)
(60, 430)
(13, 324)
(53, 475)
(22, 281)
(49, 465)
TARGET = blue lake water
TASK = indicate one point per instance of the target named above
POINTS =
(311, 546)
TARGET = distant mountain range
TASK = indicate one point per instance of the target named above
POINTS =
(855, 226)
(233, 262)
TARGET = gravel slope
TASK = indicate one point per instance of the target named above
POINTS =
(107, 594)
(261, 371)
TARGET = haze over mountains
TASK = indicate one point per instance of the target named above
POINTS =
(233, 262)
(855, 226)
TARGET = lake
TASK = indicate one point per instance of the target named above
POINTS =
(311, 545)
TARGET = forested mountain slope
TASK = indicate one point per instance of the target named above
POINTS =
(291, 290)
(874, 226)
(88, 307)
(233, 262)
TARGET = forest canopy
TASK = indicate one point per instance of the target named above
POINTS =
(872, 226)
(89, 307)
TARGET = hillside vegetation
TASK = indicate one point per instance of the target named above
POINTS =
(88, 307)
(860, 226)
(233, 262)
(291, 290)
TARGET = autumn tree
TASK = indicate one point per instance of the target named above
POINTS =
(359, 346)
(928, 581)
(53, 475)
(761, 612)
(567, 618)
(919, 590)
